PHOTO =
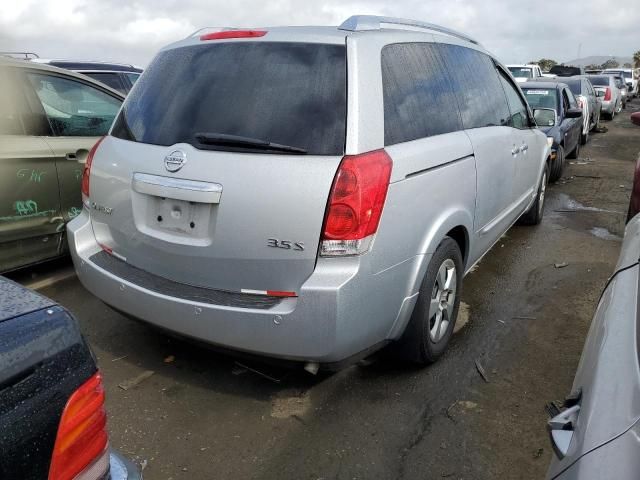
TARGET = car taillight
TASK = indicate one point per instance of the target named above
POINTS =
(607, 94)
(86, 172)
(80, 451)
(233, 34)
(355, 203)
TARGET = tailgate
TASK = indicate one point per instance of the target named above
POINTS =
(219, 167)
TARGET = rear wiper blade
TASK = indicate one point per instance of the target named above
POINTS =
(248, 142)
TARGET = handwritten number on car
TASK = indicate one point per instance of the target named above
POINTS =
(285, 244)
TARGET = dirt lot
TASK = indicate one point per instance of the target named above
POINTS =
(200, 415)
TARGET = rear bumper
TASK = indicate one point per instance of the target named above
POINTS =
(121, 468)
(608, 107)
(329, 321)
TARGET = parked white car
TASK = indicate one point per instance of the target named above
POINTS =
(522, 73)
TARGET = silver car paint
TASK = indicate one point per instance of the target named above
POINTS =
(345, 305)
(609, 376)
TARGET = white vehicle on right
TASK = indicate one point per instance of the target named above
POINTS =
(523, 73)
(630, 78)
(606, 89)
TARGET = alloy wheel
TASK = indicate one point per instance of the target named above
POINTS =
(443, 297)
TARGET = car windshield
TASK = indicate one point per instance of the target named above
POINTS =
(601, 81)
(541, 97)
(520, 72)
(291, 94)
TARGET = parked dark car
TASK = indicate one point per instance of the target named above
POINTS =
(52, 416)
(595, 434)
(634, 202)
(119, 76)
(566, 71)
(562, 122)
(587, 99)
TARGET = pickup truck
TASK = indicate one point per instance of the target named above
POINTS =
(52, 416)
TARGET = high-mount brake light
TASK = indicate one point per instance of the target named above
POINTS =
(226, 34)
(355, 203)
(86, 172)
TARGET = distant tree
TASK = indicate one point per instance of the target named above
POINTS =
(593, 66)
(611, 63)
(636, 59)
(627, 65)
(546, 64)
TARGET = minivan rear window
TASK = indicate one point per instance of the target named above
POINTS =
(602, 81)
(290, 94)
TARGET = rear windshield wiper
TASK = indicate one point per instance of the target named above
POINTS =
(224, 139)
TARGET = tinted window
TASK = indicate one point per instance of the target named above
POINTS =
(287, 93)
(541, 97)
(10, 118)
(112, 80)
(133, 77)
(562, 71)
(517, 107)
(602, 81)
(575, 86)
(477, 87)
(572, 100)
(418, 100)
(74, 108)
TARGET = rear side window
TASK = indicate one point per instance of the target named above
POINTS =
(292, 94)
(575, 86)
(73, 108)
(477, 87)
(418, 99)
(112, 80)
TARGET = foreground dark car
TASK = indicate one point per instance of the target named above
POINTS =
(634, 201)
(52, 416)
(597, 434)
(562, 122)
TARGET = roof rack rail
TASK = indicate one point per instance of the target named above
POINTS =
(23, 55)
(359, 23)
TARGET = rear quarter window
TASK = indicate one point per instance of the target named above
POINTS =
(418, 98)
(287, 93)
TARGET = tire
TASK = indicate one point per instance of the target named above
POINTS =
(557, 165)
(576, 151)
(434, 316)
(533, 216)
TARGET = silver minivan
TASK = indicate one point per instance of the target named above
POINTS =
(309, 193)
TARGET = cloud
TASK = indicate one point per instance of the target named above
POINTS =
(133, 31)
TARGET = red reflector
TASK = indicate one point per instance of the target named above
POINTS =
(109, 250)
(82, 435)
(357, 196)
(86, 171)
(277, 293)
(233, 34)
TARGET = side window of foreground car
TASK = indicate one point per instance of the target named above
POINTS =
(73, 108)
(519, 109)
(477, 87)
(418, 98)
(10, 117)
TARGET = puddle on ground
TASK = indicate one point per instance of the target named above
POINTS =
(604, 234)
(568, 204)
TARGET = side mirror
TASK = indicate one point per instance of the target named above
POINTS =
(635, 118)
(574, 113)
(546, 117)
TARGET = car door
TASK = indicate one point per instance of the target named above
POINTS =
(78, 113)
(30, 213)
(525, 141)
(574, 132)
(485, 115)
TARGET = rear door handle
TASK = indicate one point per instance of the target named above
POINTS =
(524, 147)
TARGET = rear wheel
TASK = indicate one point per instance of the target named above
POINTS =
(533, 216)
(557, 165)
(434, 316)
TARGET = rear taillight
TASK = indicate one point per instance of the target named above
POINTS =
(607, 95)
(233, 34)
(81, 451)
(86, 172)
(355, 203)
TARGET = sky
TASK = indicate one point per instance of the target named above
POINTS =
(133, 31)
